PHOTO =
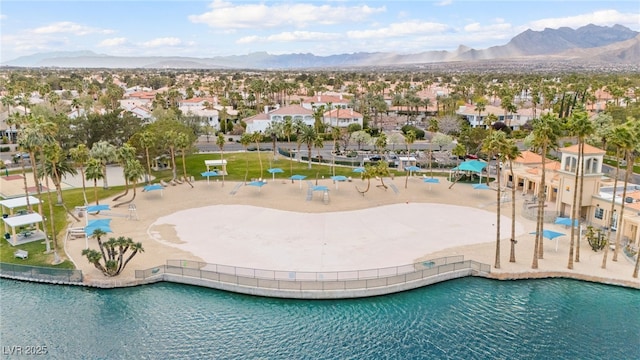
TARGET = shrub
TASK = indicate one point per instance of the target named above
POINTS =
(596, 239)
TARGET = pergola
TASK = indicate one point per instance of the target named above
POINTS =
(13, 222)
(19, 202)
(220, 165)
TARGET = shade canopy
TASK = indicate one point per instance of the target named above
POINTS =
(431, 180)
(339, 178)
(19, 202)
(550, 234)
(298, 177)
(153, 187)
(566, 221)
(275, 171)
(481, 186)
(209, 173)
(97, 224)
(412, 168)
(257, 183)
(359, 170)
(96, 208)
(320, 188)
(472, 165)
(15, 221)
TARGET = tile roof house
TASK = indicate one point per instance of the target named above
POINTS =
(260, 122)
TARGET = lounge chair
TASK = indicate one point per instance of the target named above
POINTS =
(21, 254)
(163, 183)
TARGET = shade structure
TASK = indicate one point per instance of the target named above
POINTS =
(472, 165)
(481, 186)
(153, 187)
(359, 170)
(95, 224)
(338, 178)
(274, 171)
(412, 168)
(96, 208)
(566, 221)
(320, 188)
(431, 180)
(209, 174)
(550, 234)
(299, 178)
(259, 184)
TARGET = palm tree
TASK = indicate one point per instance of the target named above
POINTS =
(545, 131)
(629, 143)
(220, 141)
(124, 155)
(307, 136)
(170, 139)
(80, 156)
(183, 143)
(511, 152)
(105, 153)
(581, 126)
(147, 140)
(56, 168)
(495, 144)
(257, 137)
(245, 140)
(480, 107)
(94, 172)
(409, 138)
(133, 171)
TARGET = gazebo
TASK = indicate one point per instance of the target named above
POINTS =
(29, 226)
(11, 204)
(220, 166)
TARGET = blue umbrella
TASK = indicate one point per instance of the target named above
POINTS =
(153, 187)
(550, 234)
(431, 180)
(259, 184)
(274, 171)
(412, 168)
(96, 208)
(338, 178)
(101, 224)
(566, 221)
(481, 186)
(209, 173)
(320, 188)
(299, 178)
(359, 170)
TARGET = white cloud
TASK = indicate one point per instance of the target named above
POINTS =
(399, 29)
(69, 27)
(3, 17)
(113, 42)
(166, 41)
(602, 17)
(444, 3)
(225, 15)
(291, 36)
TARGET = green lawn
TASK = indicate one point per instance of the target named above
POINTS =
(636, 167)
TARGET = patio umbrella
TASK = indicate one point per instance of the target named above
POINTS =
(258, 184)
(274, 171)
(153, 187)
(299, 178)
(359, 170)
(412, 168)
(209, 173)
(95, 224)
(338, 178)
(431, 180)
(481, 187)
(550, 234)
(96, 208)
(566, 221)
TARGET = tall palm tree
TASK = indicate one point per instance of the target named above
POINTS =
(125, 154)
(132, 171)
(94, 172)
(170, 140)
(147, 140)
(580, 126)
(546, 130)
(105, 153)
(184, 143)
(245, 140)
(622, 139)
(511, 152)
(220, 141)
(629, 144)
(56, 167)
(409, 138)
(494, 144)
(307, 136)
(256, 137)
(80, 156)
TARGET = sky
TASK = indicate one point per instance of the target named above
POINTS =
(230, 27)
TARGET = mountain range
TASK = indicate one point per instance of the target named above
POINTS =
(617, 45)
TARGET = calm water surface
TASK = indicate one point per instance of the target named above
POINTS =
(469, 318)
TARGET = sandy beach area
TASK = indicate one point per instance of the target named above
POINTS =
(284, 226)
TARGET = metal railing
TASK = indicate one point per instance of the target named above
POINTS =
(323, 281)
(38, 273)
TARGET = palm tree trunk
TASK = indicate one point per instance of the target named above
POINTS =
(184, 169)
(581, 156)
(84, 187)
(126, 190)
(146, 151)
(512, 255)
(95, 190)
(24, 180)
(630, 160)
(574, 210)
(542, 200)
(613, 206)
(497, 261)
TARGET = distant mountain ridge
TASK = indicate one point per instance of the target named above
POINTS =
(617, 44)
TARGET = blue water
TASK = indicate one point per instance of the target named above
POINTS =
(469, 318)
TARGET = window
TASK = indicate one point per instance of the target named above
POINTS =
(599, 214)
